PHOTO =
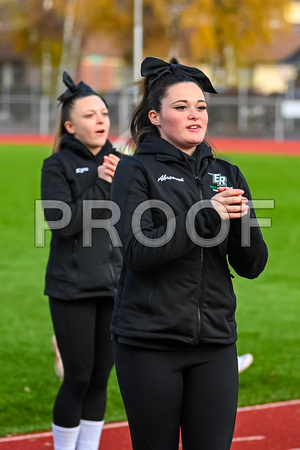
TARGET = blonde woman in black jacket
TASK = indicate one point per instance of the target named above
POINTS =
(83, 267)
(184, 213)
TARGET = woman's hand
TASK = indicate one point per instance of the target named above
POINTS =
(230, 203)
(107, 170)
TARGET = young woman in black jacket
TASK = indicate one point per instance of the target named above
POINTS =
(183, 214)
(83, 267)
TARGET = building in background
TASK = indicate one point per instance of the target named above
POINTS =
(102, 65)
(279, 65)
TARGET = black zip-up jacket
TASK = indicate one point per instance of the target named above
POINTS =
(179, 292)
(76, 270)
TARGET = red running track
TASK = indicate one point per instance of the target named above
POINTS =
(274, 426)
(232, 145)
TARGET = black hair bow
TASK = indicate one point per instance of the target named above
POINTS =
(74, 89)
(155, 68)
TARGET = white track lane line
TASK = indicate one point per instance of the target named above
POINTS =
(269, 405)
(125, 424)
(45, 434)
(249, 438)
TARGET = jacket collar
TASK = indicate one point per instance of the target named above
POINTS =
(69, 142)
(164, 151)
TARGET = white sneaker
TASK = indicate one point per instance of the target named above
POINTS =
(244, 361)
(58, 364)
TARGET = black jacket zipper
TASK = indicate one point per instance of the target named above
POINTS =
(198, 180)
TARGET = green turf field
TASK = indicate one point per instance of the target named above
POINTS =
(268, 308)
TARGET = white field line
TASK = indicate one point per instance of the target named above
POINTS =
(125, 424)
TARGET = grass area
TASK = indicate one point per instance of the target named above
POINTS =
(268, 308)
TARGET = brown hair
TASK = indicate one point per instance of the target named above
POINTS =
(140, 125)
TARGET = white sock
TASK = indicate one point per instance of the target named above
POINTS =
(90, 434)
(64, 438)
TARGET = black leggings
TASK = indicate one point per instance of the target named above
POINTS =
(82, 329)
(164, 391)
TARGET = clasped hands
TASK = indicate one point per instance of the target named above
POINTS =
(230, 203)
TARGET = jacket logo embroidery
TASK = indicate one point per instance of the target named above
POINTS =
(165, 178)
(82, 169)
(218, 180)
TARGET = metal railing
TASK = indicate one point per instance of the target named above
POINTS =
(232, 116)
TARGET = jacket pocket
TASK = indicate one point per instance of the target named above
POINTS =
(233, 297)
(137, 292)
